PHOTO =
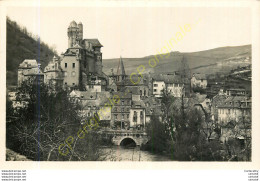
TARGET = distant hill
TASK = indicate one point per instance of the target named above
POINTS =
(208, 61)
(22, 45)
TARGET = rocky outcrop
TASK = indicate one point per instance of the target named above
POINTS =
(13, 156)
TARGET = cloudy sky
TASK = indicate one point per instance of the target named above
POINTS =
(139, 31)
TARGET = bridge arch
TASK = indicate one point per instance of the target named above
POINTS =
(128, 141)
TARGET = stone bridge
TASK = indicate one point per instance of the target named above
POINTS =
(122, 136)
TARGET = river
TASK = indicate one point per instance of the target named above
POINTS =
(119, 153)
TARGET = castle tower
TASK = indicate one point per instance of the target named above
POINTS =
(72, 34)
(80, 34)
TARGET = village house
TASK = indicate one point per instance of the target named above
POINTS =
(137, 112)
(29, 70)
(92, 104)
(199, 81)
(53, 75)
(172, 83)
(121, 110)
(234, 117)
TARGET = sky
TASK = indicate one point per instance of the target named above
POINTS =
(139, 31)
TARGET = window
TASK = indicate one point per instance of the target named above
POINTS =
(127, 115)
(135, 116)
(73, 65)
(123, 116)
(141, 93)
(123, 102)
(155, 85)
(73, 83)
(144, 92)
(155, 90)
(66, 65)
(115, 116)
(65, 83)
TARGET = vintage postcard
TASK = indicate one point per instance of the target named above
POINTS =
(114, 84)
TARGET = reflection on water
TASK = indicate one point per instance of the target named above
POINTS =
(119, 153)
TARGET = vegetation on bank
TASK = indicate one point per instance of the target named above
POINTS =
(182, 135)
(37, 129)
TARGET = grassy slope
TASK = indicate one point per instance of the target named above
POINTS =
(207, 59)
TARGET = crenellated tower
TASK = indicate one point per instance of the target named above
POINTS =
(75, 33)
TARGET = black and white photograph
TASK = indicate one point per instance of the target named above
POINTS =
(128, 83)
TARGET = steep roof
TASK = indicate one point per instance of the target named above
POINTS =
(236, 102)
(33, 72)
(94, 42)
(28, 63)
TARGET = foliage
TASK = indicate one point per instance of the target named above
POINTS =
(20, 45)
(181, 134)
(44, 123)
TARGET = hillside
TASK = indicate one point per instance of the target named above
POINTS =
(22, 45)
(208, 61)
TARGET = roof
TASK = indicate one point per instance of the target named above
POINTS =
(236, 102)
(73, 24)
(168, 79)
(33, 71)
(94, 42)
(123, 95)
(138, 104)
(218, 99)
(77, 46)
(84, 95)
(29, 63)
(199, 76)
(91, 98)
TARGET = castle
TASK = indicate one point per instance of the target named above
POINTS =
(81, 64)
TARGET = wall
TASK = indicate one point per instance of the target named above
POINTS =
(138, 113)
(160, 86)
(68, 77)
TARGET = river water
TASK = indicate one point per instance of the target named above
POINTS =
(119, 153)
